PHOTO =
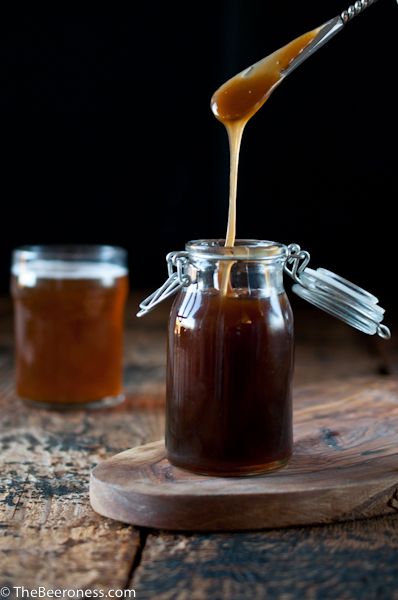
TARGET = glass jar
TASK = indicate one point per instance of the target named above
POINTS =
(230, 361)
(230, 349)
(69, 312)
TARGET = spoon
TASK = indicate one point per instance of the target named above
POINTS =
(242, 96)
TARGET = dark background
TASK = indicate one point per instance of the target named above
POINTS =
(107, 134)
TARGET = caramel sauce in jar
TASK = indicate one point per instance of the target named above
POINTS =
(229, 371)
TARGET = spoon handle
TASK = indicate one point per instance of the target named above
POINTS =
(327, 31)
(355, 9)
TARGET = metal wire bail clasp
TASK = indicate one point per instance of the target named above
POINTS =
(177, 279)
(298, 259)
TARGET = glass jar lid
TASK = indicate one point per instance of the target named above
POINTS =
(335, 295)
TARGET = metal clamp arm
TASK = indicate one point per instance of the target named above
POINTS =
(176, 280)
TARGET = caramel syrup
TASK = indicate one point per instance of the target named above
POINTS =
(237, 100)
(229, 380)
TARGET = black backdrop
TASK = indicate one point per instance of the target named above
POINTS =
(107, 135)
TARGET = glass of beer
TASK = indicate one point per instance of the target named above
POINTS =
(69, 312)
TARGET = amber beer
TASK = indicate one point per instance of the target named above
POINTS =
(69, 307)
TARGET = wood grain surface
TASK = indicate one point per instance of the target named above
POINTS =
(354, 560)
(344, 466)
(50, 536)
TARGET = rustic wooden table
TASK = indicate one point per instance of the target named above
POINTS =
(50, 536)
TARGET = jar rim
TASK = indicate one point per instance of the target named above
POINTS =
(70, 252)
(244, 249)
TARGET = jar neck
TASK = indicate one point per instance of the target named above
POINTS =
(237, 277)
(249, 268)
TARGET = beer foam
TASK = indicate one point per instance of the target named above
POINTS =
(29, 272)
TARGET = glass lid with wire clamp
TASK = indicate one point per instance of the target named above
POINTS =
(335, 295)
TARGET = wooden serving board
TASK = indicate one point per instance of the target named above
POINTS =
(344, 466)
